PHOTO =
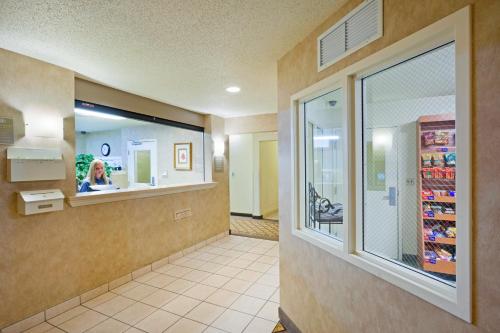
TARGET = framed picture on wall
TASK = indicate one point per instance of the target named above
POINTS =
(183, 156)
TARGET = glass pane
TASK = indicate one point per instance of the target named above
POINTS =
(143, 166)
(323, 164)
(409, 164)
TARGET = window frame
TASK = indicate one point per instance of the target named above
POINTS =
(455, 300)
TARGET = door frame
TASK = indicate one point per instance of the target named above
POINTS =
(149, 144)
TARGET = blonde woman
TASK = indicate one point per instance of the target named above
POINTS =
(95, 176)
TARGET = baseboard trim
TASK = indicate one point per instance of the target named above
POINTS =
(241, 214)
(57, 309)
(287, 322)
(257, 217)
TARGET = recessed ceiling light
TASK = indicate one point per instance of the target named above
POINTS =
(233, 89)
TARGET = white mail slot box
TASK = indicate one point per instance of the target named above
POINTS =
(42, 201)
(32, 164)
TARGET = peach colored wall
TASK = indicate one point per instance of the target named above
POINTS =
(48, 258)
(252, 124)
(322, 293)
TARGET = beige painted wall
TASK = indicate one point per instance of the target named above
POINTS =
(322, 293)
(268, 177)
(252, 124)
(48, 258)
(96, 93)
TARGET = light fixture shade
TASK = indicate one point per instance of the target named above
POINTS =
(219, 147)
(233, 89)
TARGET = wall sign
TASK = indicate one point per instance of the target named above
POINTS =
(6, 131)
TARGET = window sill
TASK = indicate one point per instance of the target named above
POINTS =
(98, 197)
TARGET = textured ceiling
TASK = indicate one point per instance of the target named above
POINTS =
(180, 52)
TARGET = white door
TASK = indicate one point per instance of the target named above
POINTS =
(142, 163)
(381, 222)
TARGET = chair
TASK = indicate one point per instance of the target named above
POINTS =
(322, 211)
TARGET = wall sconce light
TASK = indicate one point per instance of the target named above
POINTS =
(219, 147)
(43, 126)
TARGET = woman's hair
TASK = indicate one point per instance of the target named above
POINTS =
(91, 173)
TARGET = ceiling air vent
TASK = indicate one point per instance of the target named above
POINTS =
(355, 30)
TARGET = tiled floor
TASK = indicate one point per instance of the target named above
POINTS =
(231, 285)
(247, 226)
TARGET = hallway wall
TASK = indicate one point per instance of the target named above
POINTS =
(49, 258)
(268, 177)
(324, 294)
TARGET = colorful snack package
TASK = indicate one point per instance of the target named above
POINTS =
(450, 159)
(428, 138)
(438, 160)
(441, 138)
(426, 160)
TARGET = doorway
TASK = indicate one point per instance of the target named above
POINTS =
(142, 163)
(253, 185)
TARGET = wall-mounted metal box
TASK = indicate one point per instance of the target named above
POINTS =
(42, 201)
(32, 164)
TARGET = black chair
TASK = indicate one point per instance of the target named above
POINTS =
(322, 211)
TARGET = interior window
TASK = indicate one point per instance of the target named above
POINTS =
(117, 150)
(409, 164)
(323, 164)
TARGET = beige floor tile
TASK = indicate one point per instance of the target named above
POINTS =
(269, 311)
(67, 315)
(55, 330)
(258, 250)
(248, 304)
(259, 267)
(157, 322)
(179, 286)
(240, 263)
(114, 305)
(125, 287)
(268, 260)
(216, 280)
(275, 270)
(229, 271)
(259, 325)
(223, 260)
(181, 260)
(232, 321)
(213, 330)
(140, 292)
(159, 298)
(260, 291)
(135, 313)
(269, 280)
(193, 263)
(134, 330)
(99, 300)
(205, 256)
(273, 252)
(237, 285)
(146, 277)
(205, 313)
(250, 256)
(40, 328)
(161, 280)
(109, 326)
(222, 298)
(186, 326)
(174, 270)
(216, 250)
(210, 267)
(196, 276)
(83, 322)
(200, 291)
(248, 275)
(275, 297)
(181, 305)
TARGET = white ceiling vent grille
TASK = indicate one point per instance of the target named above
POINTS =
(355, 30)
